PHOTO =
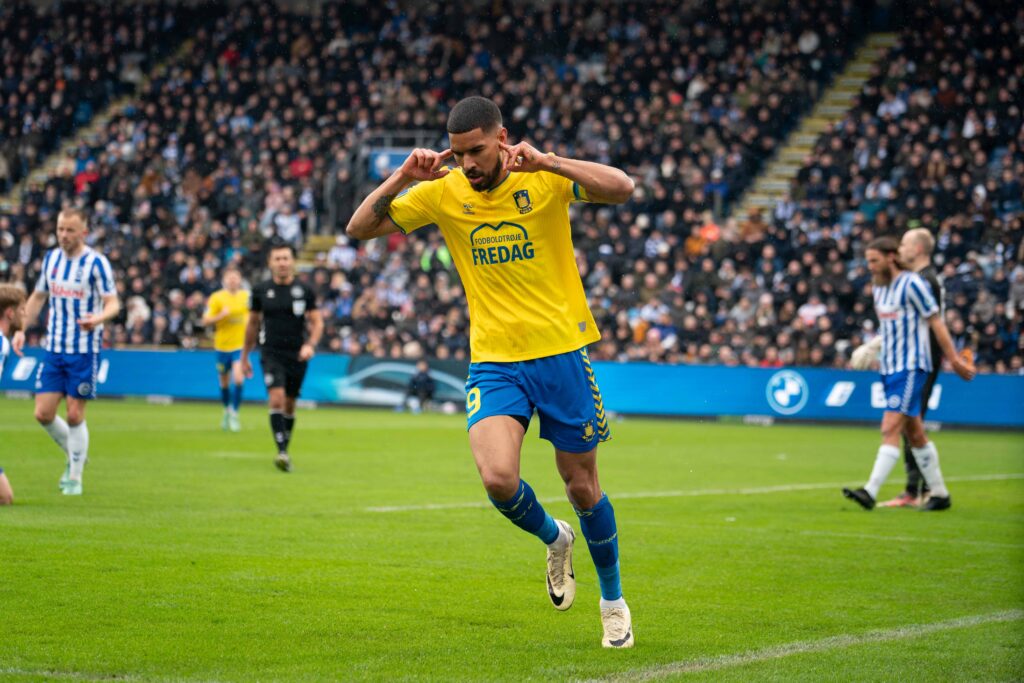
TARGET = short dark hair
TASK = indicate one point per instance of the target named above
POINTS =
(885, 245)
(472, 113)
(276, 243)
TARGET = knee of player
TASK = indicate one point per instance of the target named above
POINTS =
(45, 416)
(583, 491)
(6, 494)
(500, 485)
(76, 416)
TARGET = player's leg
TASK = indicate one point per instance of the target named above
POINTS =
(497, 415)
(223, 381)
(78, 444)
(6, 492)
(237, 379)
(928, 460)
(80, 387)
(885, 459)
(572, 417)
(292, 389)
(49, 391)
(900, 388)
(274, 377)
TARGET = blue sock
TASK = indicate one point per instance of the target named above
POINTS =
(236, 396)
(598, 527)
(525, 511)
(225, 396)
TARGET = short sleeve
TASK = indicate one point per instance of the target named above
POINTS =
(921, 298)
(417, 206)
(41, 284)
(310, 299)
(213, 305)
(255, 300)
(569, 190)
(104, 276)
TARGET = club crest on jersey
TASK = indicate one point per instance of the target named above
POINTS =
(522, 199)
(270, 294)
(296, 291)
(467, 209)
(84, 389)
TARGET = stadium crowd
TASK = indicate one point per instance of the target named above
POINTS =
(257, 129)
(59, 67)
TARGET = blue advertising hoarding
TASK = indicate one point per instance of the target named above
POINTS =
(629, 389)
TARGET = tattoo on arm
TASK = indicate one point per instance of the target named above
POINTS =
(556, 165)
(380, 207)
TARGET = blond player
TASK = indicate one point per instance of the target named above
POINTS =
(228, 311)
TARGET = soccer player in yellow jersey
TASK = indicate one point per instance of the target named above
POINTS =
(228, 311)
(504, 215)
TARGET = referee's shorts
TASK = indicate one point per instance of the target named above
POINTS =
(282, 368)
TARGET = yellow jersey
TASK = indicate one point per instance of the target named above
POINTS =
(229, 333)
(512, 246)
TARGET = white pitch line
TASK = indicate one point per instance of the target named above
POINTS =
(911, 539)
(801, 647)
(751, 491)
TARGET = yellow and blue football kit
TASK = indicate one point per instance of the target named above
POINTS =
(229, 333)
(529, 318)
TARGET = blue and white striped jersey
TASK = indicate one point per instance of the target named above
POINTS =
(903, 308)
(76, 286)
(5, 350)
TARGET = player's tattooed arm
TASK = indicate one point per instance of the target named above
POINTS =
(380, 207)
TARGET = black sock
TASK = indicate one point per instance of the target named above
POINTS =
(278, 429)
(289, 425)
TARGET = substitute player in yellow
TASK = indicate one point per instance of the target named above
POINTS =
(504, 216)
(228, 311)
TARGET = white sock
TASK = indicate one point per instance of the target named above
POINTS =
(561, 540)
(928, 462)
(78, 449)
(886, 459)
(620, 603)
(58, 431)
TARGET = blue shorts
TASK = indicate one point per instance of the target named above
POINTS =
(562, 389)
(71, 374)
(903, 391)
(226, 358)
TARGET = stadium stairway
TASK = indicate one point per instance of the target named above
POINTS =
(778, 174)
(11, 202)
(314, 245)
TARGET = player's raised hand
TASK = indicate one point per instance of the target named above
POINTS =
(425, 164)
(18, 342)
(524, 157)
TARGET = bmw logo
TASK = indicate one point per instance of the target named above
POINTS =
(787, 392)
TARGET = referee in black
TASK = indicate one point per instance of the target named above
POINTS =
(289, 326)
(916, 256)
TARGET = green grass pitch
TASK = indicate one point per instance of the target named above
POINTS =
(190, 558)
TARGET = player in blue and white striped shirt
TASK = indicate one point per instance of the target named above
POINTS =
(906, 311)
(12, 317)
(79, 284)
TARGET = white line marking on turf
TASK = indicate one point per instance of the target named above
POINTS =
(752, 491)
(81, 676)
(911, 539)
(801, 647)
